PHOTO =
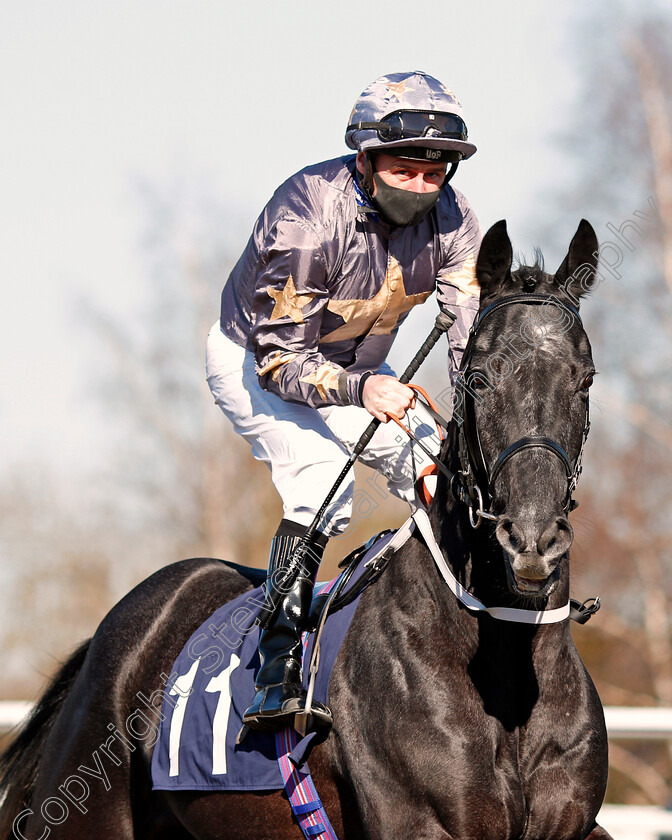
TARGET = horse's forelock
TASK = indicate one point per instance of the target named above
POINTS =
(532, 277)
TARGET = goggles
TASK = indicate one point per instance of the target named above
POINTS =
(409, 125)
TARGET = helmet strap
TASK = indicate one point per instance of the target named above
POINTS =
(367, 177)
(450, 173)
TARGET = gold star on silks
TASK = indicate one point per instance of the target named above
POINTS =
(276, 361)
(326, 376)
(377, 316)
(464, 279)
(288, 302)
(398, 89)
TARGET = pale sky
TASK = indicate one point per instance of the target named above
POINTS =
(97, 95)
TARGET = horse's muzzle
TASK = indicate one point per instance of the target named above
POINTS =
(533, 552)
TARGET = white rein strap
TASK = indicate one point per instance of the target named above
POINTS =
(470, 602)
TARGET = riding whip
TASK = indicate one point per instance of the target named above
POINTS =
(444, 320)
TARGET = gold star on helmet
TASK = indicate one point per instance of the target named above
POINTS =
(326, 376)
(377, 316)
(288, 302)
(398, 89)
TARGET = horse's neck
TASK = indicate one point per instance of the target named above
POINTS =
(432, 628)
(418, 590)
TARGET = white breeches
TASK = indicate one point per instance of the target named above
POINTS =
(307, 448)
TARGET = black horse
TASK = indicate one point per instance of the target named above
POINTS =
(449, 722)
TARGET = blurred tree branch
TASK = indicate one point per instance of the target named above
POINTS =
(623, 129)
(644, 51)
(638, 415)
(653, 784)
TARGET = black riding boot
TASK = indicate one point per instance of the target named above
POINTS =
(279, 686)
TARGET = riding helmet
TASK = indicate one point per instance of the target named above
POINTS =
(410, 111)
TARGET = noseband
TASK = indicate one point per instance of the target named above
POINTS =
(474, 482)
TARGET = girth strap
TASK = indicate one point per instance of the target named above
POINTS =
(301, 792)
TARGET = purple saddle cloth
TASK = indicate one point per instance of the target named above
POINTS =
(211, 685)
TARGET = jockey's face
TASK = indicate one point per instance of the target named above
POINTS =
(419, 176)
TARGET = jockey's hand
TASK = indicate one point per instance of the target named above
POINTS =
(386, 395)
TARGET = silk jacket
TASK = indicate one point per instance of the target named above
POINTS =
(323, 285)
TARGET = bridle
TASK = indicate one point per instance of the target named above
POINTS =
(474, 482)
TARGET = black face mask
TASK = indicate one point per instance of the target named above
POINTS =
(402, 208)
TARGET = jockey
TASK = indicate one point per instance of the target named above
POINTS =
(338, 257)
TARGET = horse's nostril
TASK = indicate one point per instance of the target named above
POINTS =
(556, 538)
(510, 534)
(522, 537)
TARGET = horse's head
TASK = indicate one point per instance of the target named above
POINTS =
(525, 381)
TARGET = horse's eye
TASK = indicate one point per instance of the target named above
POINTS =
(477, 381)
(588, 381)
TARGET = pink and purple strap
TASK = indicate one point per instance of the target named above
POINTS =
(303, 798)
(306, 804)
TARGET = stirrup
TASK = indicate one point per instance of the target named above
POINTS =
(291, 712)
(319, 717)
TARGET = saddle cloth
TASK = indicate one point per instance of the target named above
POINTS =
(212, 683)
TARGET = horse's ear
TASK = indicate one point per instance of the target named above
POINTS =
(493, 267)
(578, 273)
